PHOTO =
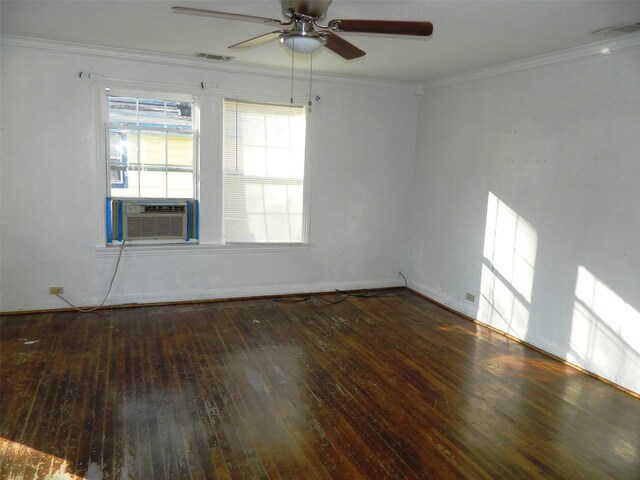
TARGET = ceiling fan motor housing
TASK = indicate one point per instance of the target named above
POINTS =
(316, 9)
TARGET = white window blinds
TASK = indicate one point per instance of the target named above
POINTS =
(264, 150)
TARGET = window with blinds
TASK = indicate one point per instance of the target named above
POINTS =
(264, 151)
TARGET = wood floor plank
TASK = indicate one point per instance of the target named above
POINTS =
(387, 387)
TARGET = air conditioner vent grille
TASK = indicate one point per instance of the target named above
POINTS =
(152, 226)
(164, 208)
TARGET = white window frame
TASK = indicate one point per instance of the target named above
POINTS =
(103, 88)
(159, 96)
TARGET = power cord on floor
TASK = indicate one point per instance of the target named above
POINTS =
(306, 298)
(93, 309)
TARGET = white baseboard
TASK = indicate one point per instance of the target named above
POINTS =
(457, 305)
(195, 295)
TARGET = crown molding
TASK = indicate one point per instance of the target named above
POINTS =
(576, 54)
(174, 60)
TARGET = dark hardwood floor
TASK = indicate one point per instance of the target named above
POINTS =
(392, 387)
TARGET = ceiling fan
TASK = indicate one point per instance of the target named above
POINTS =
(307, 33)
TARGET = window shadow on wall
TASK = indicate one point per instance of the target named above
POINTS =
(509, 256)
(605, 331)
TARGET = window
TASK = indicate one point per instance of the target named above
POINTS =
(151, 147)
(264, 151)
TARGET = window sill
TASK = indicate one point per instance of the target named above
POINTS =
(199, 249)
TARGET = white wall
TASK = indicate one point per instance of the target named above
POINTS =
(526, 194)
(51, 200)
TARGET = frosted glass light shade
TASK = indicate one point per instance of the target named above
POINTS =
(304, 44)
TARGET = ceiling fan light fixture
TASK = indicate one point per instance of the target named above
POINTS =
(304, 44)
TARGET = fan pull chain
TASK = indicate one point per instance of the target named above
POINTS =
(292, 56)
(310, 79)
(237, 136)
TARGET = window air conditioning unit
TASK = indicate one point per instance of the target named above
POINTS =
(152, 220)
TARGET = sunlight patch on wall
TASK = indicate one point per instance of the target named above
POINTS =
(510, 246)
(605, 331)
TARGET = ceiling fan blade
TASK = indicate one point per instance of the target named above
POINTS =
(232, 16)
(393, 27)
(259, 40)
(338, 45)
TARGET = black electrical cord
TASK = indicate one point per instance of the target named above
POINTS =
(305, 298)
(346, 295)
(93, 309)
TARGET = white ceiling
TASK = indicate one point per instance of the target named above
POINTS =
(468, 35)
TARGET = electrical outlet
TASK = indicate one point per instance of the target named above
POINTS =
(471, 297)
(56, 290)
